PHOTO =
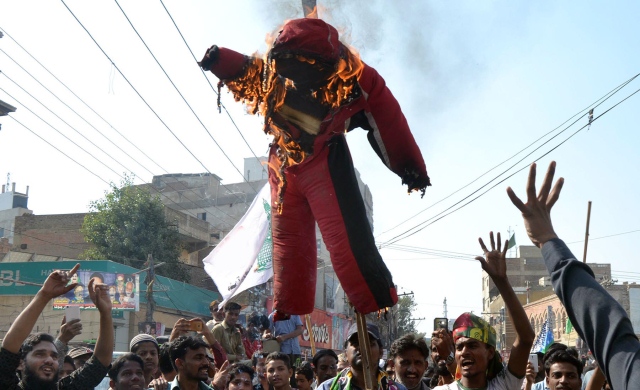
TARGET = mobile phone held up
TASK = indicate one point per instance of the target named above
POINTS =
(440, 323)
(195, 326)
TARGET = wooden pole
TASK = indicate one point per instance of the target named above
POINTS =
(312, 341)
(365, 351)
(586, 234)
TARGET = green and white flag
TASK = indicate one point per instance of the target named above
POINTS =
(512, 241)
(243, 259)
(569, 326)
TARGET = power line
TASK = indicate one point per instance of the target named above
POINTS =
(442, 214)
(182, 96)
(594, 105)
(232, 219)
(209, 82)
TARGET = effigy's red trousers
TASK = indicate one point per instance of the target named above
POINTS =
(325, 189)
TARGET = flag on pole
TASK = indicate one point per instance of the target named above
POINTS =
(243, 259)
(544, 339)
(512, 241)
(569, 326)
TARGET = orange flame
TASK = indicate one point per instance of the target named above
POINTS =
(263, 91)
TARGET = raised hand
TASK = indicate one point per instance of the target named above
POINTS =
(181, 327)
(537, 211)
(99, 294)
(221, 377)
(495, 264)
(69, 330)
(56, 283)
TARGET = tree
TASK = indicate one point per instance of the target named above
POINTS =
(405, 307)
(127, 225)
(397, 321)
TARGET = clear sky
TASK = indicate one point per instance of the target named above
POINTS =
(478, 82)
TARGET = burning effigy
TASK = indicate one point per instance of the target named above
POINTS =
(311, 89)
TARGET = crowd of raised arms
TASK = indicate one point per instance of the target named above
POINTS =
(219, 354)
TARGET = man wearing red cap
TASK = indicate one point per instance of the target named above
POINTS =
(479, 365)
(311, 89)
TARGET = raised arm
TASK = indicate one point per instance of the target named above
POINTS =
(99, 294)
(597, 316)
(55, 285)
(496, 266)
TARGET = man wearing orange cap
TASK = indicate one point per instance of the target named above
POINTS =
(479, 365)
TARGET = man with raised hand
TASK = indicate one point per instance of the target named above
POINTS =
(38, 350)
(597, 317)
(479, 364)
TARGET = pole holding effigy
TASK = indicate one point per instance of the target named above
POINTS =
(312, 341)
(365, 350)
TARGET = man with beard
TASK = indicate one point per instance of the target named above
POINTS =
(409, 356)
(442, 354)
(147, 348)
(38, 351)
(189, 358)
(127, 373)
(325, 366)
(353, 377)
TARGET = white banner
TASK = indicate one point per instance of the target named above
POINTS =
(243, 259)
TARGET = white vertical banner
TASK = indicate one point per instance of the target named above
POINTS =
(243, 259)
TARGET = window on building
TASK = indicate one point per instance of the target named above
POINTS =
(1, 232)
(202, 216)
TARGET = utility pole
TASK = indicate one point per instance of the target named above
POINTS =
(151, 276)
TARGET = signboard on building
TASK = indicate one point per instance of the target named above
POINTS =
(26, 278)
(124, 290)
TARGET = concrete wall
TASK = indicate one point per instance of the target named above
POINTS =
(56, 234)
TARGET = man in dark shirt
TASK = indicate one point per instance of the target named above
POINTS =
(39, 352)
(597, 317)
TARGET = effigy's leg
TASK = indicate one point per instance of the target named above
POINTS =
(294, 251)
(331, 187)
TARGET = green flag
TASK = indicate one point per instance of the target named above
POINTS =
(569, 326)
(512, 241)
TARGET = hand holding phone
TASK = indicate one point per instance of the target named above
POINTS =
(72, 313)
(533, 358)
(195, 326)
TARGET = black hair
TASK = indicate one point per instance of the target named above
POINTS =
(68, 359)
(164, 360)
(32, 340)
(231, 306)
(322, 353)
(256, 355)
(306, 370)
(279, 356)
(239, 368)
(97, 275)
(117, 365)
(178, 347)
(408, 342)
(561, 356)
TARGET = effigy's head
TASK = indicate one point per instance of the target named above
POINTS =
(307, 51)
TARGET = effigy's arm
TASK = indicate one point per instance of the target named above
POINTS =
(389, 132)
(240, 73)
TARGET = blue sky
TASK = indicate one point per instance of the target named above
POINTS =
(478, 81)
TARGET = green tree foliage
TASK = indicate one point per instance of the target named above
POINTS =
(405, 307)
(128, 224)
(397, 322)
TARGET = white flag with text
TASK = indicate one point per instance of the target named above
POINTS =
(243, 259)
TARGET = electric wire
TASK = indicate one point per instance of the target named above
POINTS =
(592, 105)
(62, 134)
(138, 93)
(209, 82)
(439, 216)
(149, 171)
(134, 89)
(183, 98)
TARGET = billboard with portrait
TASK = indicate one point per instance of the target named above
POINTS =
(123, 290)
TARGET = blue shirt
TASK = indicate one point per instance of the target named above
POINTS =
(290, 346)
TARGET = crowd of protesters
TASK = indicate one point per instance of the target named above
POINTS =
(222, 355)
